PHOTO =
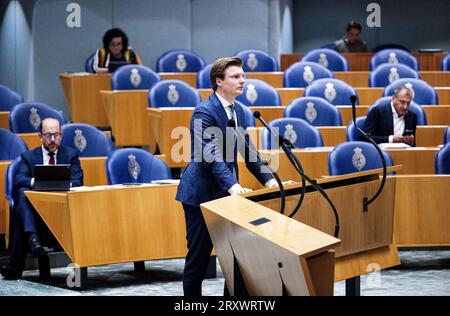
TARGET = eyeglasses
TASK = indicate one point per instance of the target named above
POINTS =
(49, 136)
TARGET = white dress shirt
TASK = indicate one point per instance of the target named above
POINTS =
(399, 124)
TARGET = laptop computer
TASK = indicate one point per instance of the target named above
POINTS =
(52, 177)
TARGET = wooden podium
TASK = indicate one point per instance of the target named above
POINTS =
(367, 242)
(262, 252)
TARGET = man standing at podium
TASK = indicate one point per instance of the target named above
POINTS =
(25, 222)
(213, 170)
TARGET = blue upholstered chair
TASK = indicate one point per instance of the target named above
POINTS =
(447, 135)
(257, 60)
(316, 111)
(179, 60)
(301, 74)
(11, 145)
(133, 165)
(442, 161)
(173, 93)
(445, 64)
(134, 77)
(9, 182)
(203, 77)
(87, 140)
(89, 65)
(8, 98)
(27, 117)
(413, 107)
(335, 91)
(350, 157)
(300, 133)
(328, 58)
(386, 74)
(259, 93)
(424, 94)
(395, 56)
(351, 132)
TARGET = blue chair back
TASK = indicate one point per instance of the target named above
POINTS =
(204, 77)
(173, 93)
(11, 172)
(316, 111)
(413, 107)
(394, 56)
(133, 165)
(445, 64)
(259, 93)
(89, 65)
(11, 145)
(299, 132)
(179, 60)
(447, 135)
(351, 132)
(87, 140)
(350, 157)
(328, 58)
(8, 98)
(386, 74)
(257, 60)
(301, 74)
(27, 117)
(134, 77)
(442, 161)
(423, 93)
(335, 91)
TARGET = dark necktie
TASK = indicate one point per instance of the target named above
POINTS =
(52, 158)
(231, 106)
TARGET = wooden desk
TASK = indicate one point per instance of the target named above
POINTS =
(361, 61)
(82, 92)
(189, 77)
(126, 111)
(422, 210)
(4, 120)
(123, 225)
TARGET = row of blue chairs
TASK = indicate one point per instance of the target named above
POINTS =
(182, 60)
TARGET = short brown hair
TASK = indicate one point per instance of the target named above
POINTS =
(353, 25)
(219, 67)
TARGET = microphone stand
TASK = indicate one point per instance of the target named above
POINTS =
(232, 123)
(295, 164)
(366, 200)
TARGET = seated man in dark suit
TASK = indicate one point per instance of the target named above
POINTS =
(24, 220)
(393, 123)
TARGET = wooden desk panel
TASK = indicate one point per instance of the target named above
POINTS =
(126, 111)
(82, 93)
(127, 224)
(189, 77)
(275, 78)
(4, 120)
(443, 95)
(430, 61)
(436, 78)
(422, 211)
(354, 78)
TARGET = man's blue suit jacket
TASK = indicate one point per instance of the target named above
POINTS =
(210, 179)
(379, 123)
(29, 159)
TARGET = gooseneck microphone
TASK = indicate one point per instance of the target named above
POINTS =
(296, 163)
(366, 200)
(232, 123)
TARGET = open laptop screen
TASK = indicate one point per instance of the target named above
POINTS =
(52, 177)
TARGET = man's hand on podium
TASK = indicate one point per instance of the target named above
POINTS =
(237, 189)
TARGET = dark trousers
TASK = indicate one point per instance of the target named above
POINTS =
(199, 250)
(24, 221)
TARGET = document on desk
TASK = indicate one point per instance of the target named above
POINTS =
(166, 181)
(394, 146)
(323, 148)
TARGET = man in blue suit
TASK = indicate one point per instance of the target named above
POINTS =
(213, 170)
(393, 123)
(25, 222)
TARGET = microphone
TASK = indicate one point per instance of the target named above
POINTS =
(297, 166)
(366, 200)
(232, 123)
